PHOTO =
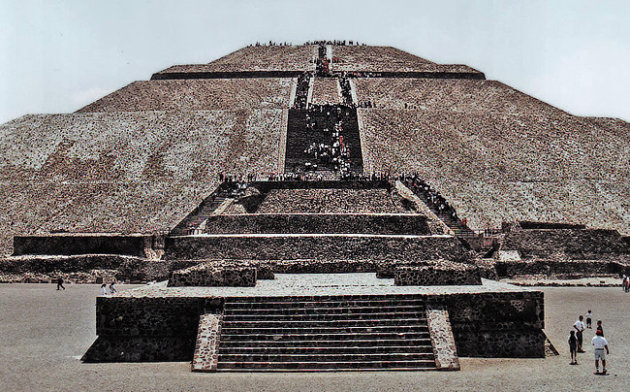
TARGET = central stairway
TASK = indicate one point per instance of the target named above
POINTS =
(325, 334)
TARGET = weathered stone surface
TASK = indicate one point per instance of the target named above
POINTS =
(197, 94)
(323, 247)
(437, 275)
(124, 172)
(496, 167)
(331, 201)
(80, 244)
(579, 244)
(215, 274)
(140, 349)
(413, 224)
(206, 349)
(442, 338)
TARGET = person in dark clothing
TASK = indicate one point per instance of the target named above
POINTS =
(573, 348)
(60, 283)
(599, 328)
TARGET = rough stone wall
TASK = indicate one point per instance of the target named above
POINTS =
(494, 167)
(130, 245)
(566, 243)
(315, 247)
(318, 223)
(386, 59)
(138, 172)
(143, 327)
(87, 268)
(332, 201)
(258, 58)
(498, 324)
(458, 95)
(197, 94)
(215, 274)
(437, 275)
(561, 268)
(148, 329)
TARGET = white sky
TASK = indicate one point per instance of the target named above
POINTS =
(57, 56)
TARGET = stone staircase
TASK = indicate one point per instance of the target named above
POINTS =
(330, 333)
(299, 137)
(458, 227)
(194, 221)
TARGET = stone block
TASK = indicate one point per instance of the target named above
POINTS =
(215, 274)
(437, 275)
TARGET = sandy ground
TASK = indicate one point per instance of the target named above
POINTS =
(43, 333)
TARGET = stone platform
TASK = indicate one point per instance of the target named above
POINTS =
(354, 321)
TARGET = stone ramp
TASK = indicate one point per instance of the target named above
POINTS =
(205, 357)
(326, 333)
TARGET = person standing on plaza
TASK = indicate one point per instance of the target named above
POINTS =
(579, 327)
(573, 348)
(103, 289)
(589, 319)
(599, 327)
(60, 283)
(600, 346)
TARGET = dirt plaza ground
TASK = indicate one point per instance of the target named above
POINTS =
(44, 332)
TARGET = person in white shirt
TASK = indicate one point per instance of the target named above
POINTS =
(600, 346)
(103, 289)
(579, 327)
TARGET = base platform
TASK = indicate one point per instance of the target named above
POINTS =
(320, 322)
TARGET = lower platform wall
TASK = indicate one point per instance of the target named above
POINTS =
(498, 324)
(69, 244)
(561, 268)
(315, 247)
(505, 324)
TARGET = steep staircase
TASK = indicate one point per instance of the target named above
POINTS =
(199, 215)
(330, 333)
(455, 224)
(299, 137)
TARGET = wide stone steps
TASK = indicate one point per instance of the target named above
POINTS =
(327, 366)
(325, 333)
(316, 357)
(350, 304)
(324, 323)
(264, 313)
(258, 331)
(323, 316)
(421, 343)
(339, 349)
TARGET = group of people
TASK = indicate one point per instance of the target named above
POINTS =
(326, 122)
(367, 104)
(433, 198)
(334, 42)
(270, 43)
(105, 290)
(599, 342)
(301, 92)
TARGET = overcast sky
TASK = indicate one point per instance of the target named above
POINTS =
(57, 56)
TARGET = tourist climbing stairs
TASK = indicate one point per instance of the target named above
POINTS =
(455, 224)
(332, 333)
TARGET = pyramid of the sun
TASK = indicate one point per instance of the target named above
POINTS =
(142, 158)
